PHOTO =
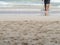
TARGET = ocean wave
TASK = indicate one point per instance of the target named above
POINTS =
(11, 4)
(5, 4)
(57, 1)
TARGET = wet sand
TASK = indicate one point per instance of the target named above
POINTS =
(29, 10)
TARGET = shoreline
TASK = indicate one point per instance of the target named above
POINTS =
(29, 18)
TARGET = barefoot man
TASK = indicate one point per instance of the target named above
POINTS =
(46, 5)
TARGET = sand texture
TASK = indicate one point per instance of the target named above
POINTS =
(29, 32)
(27, 25)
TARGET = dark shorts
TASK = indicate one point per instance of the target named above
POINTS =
(46, 1)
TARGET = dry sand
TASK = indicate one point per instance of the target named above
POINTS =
(30, 30)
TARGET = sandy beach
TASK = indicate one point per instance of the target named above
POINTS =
(28, 28)
(32, 31)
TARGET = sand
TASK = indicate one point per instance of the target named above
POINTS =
(30, 30)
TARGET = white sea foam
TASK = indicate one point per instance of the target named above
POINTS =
(11, 4)
(5, 4)
(57, 1)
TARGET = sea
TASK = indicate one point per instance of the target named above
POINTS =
(10, 3)
(13, 3)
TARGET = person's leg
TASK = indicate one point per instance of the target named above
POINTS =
(46, 9)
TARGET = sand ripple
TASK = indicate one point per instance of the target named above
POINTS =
(29, 33)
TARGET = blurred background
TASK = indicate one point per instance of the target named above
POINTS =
(11, 3)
